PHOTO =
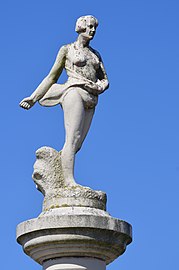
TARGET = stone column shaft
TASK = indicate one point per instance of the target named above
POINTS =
(72, 263)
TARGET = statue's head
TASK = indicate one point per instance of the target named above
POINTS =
(86, 26)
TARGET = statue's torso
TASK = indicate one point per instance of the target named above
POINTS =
(82, 61)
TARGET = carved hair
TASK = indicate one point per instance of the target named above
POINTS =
(81, 23)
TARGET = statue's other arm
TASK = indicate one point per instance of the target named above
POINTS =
(102, 77)
(48, 81)
(102, 80)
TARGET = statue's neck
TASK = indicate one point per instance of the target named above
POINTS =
(82, 41)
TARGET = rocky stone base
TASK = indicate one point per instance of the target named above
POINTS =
(48, 177)
(74, 196)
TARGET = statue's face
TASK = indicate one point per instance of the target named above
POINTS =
(90, 28)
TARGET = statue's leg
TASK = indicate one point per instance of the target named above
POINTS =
(74, 114)
(87, 123)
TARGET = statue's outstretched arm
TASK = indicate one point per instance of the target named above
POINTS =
(48, 81)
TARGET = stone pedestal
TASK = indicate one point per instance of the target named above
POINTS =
(74, 231)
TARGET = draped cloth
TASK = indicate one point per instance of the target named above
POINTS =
(57, 92)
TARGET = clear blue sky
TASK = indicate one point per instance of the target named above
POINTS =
(132, 150)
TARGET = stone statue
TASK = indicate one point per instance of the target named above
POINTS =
(79, 95)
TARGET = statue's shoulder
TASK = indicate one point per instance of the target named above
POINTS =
(65, 48)
(95, 52)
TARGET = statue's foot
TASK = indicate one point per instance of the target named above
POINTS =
(71, 183)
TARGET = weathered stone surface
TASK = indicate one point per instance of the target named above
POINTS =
(48, 176)
(77, 196)
(74, 231)
(48, 172)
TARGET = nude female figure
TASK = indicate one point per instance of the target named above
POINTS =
(79, 95)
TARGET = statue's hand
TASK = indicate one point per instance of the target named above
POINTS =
(27, 103)
(94, 88)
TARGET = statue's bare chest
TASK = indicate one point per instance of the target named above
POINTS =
(81, 57)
